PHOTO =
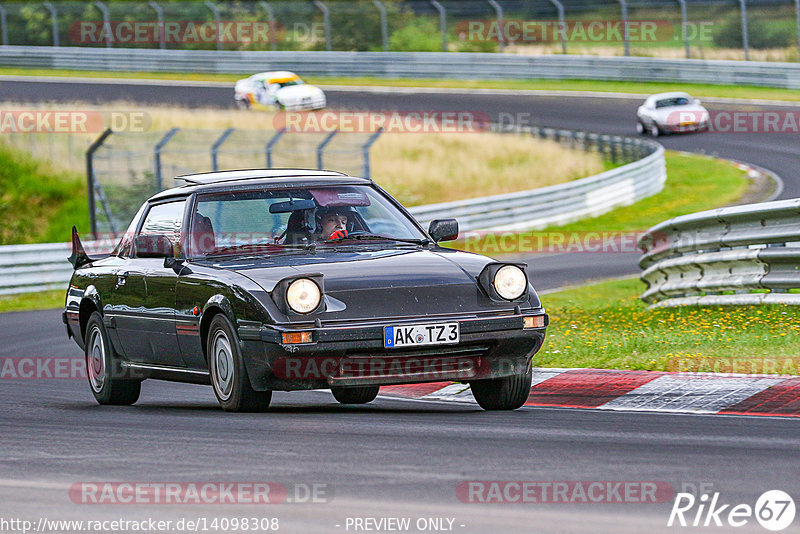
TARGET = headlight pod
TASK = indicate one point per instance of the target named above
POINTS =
(300, 295)
(504, 282)
(510, 282)
(303, 295)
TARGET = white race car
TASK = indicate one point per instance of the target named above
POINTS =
(671, 113)
(277, 89)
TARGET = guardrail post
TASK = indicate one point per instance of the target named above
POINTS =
(562, 25)
(322, 145)
(271, 143)
(157, 155)
(53, 20)
(3, 26)
(326, 21)
(384, 24)
(215, 10)
(366, 172)
(106, 21)
(442, 22)
(745, 39)
(623, 4)
(215, 147)
(90, 178)
(162, 41)
(685, 26)
(498, 9)
(273, 38)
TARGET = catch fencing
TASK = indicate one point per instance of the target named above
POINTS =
(28, 268)
(125, 168)
(739, 255)
(408, 25)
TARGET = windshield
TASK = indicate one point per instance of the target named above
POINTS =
(669, 102)
(274, 220)
(287, 83)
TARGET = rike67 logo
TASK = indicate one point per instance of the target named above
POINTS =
(774, 510)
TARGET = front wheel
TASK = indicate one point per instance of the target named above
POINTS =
(228, 374)
(103, 369)
(655, 131)
(639, 127)
(355, 395)
(507, 393)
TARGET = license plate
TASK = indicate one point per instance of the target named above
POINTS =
(420, 334)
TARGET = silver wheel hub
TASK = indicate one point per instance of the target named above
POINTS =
(222, 365)
(96, 362)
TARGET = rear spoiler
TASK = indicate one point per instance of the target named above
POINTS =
(78, 258)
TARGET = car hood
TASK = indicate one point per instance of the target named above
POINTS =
(295, 93)
(370, 284)
(678, 114)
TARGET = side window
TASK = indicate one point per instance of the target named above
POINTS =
(165, 219)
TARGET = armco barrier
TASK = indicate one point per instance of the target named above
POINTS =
(701, 258)
(409, 65)
(27, 268)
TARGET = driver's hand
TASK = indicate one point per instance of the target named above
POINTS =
(338, 234)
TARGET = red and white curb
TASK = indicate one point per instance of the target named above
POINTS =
(698, 393)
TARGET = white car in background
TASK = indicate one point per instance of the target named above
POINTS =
(277, 89)
(671, 113)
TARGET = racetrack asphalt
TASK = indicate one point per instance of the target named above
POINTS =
(393, 457)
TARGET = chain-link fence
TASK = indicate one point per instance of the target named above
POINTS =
(711, 29)
(126, 168)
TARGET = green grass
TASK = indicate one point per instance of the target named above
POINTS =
(694, 183)
(700, 90)
(37, 203)
(606, 326)
(43, 300)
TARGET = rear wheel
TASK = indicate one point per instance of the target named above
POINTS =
(507, 393)
(228, 374)
(103, 368)
(355, 395)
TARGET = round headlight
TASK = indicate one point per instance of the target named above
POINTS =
(303, 295)
(510, 282)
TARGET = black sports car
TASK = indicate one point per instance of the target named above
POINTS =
(262, 280)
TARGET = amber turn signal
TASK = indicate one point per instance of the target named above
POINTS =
(534, 321)
(293, 338)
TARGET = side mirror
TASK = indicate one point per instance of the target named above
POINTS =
(697, 101)
(153, 246)
(443, 230)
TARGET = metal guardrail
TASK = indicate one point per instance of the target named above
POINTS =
(28, 268)
(409, 65)
(752, 251)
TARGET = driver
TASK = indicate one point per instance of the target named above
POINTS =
(332, 223)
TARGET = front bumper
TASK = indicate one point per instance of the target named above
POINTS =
(354, 355)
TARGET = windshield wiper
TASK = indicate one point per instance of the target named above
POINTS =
(376, 237)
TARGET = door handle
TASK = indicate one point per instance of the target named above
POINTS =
(121, 278)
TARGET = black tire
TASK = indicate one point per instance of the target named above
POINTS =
(106, 377)
(640, 128)
(654, 130)
(242, 104)
(355, 395)
(228, 374)
(507, 393)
